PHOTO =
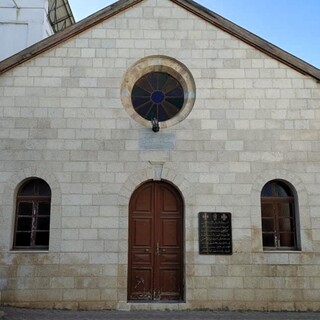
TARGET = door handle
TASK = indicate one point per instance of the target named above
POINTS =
(159, 250)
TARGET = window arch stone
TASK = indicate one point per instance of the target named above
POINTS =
(32, 217)
(279, 204)
(304, 233)
(7, 207)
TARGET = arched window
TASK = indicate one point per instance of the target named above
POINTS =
(32, 225)
(278, 216)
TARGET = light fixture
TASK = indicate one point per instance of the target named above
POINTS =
(155, 125)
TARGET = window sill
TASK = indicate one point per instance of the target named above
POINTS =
(28, 251)
(282, 251)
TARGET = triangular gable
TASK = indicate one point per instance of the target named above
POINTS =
(193, 7)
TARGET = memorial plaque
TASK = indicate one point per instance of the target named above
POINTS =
(148, 140)
(215, 233)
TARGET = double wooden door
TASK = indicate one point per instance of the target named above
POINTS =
(156, 243)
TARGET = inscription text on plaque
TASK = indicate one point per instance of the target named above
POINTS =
(215, 233)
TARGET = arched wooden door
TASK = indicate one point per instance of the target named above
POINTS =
(156, 243)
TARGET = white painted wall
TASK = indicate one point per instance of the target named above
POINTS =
(22, 23)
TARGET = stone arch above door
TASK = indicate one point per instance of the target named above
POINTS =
(156, 171)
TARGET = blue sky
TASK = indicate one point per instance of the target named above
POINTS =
(293, 25)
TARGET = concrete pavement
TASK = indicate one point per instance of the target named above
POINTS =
(32, 314)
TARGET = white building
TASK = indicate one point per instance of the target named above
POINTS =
(25, 22)
(156, 152)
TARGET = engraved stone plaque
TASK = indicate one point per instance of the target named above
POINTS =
(149, 140)
(215, 233)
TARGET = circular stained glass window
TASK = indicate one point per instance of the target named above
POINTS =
(157, 95)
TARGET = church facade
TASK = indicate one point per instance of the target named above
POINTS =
(156, 155)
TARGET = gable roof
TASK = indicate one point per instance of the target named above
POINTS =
(193, 7)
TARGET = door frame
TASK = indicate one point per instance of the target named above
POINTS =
(183, 246)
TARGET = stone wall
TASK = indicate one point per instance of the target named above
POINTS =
(254, 120)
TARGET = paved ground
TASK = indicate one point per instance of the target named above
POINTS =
(25, 314)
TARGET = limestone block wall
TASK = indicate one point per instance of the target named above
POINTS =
(254, 120)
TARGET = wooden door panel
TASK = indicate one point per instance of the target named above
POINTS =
(170, 233)
(167, 258)
(141, 258)
(155, 243)
(141, 284)
(168, 200)
(142, 230)
(144, 200)
(170, 287)
(140, 280)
